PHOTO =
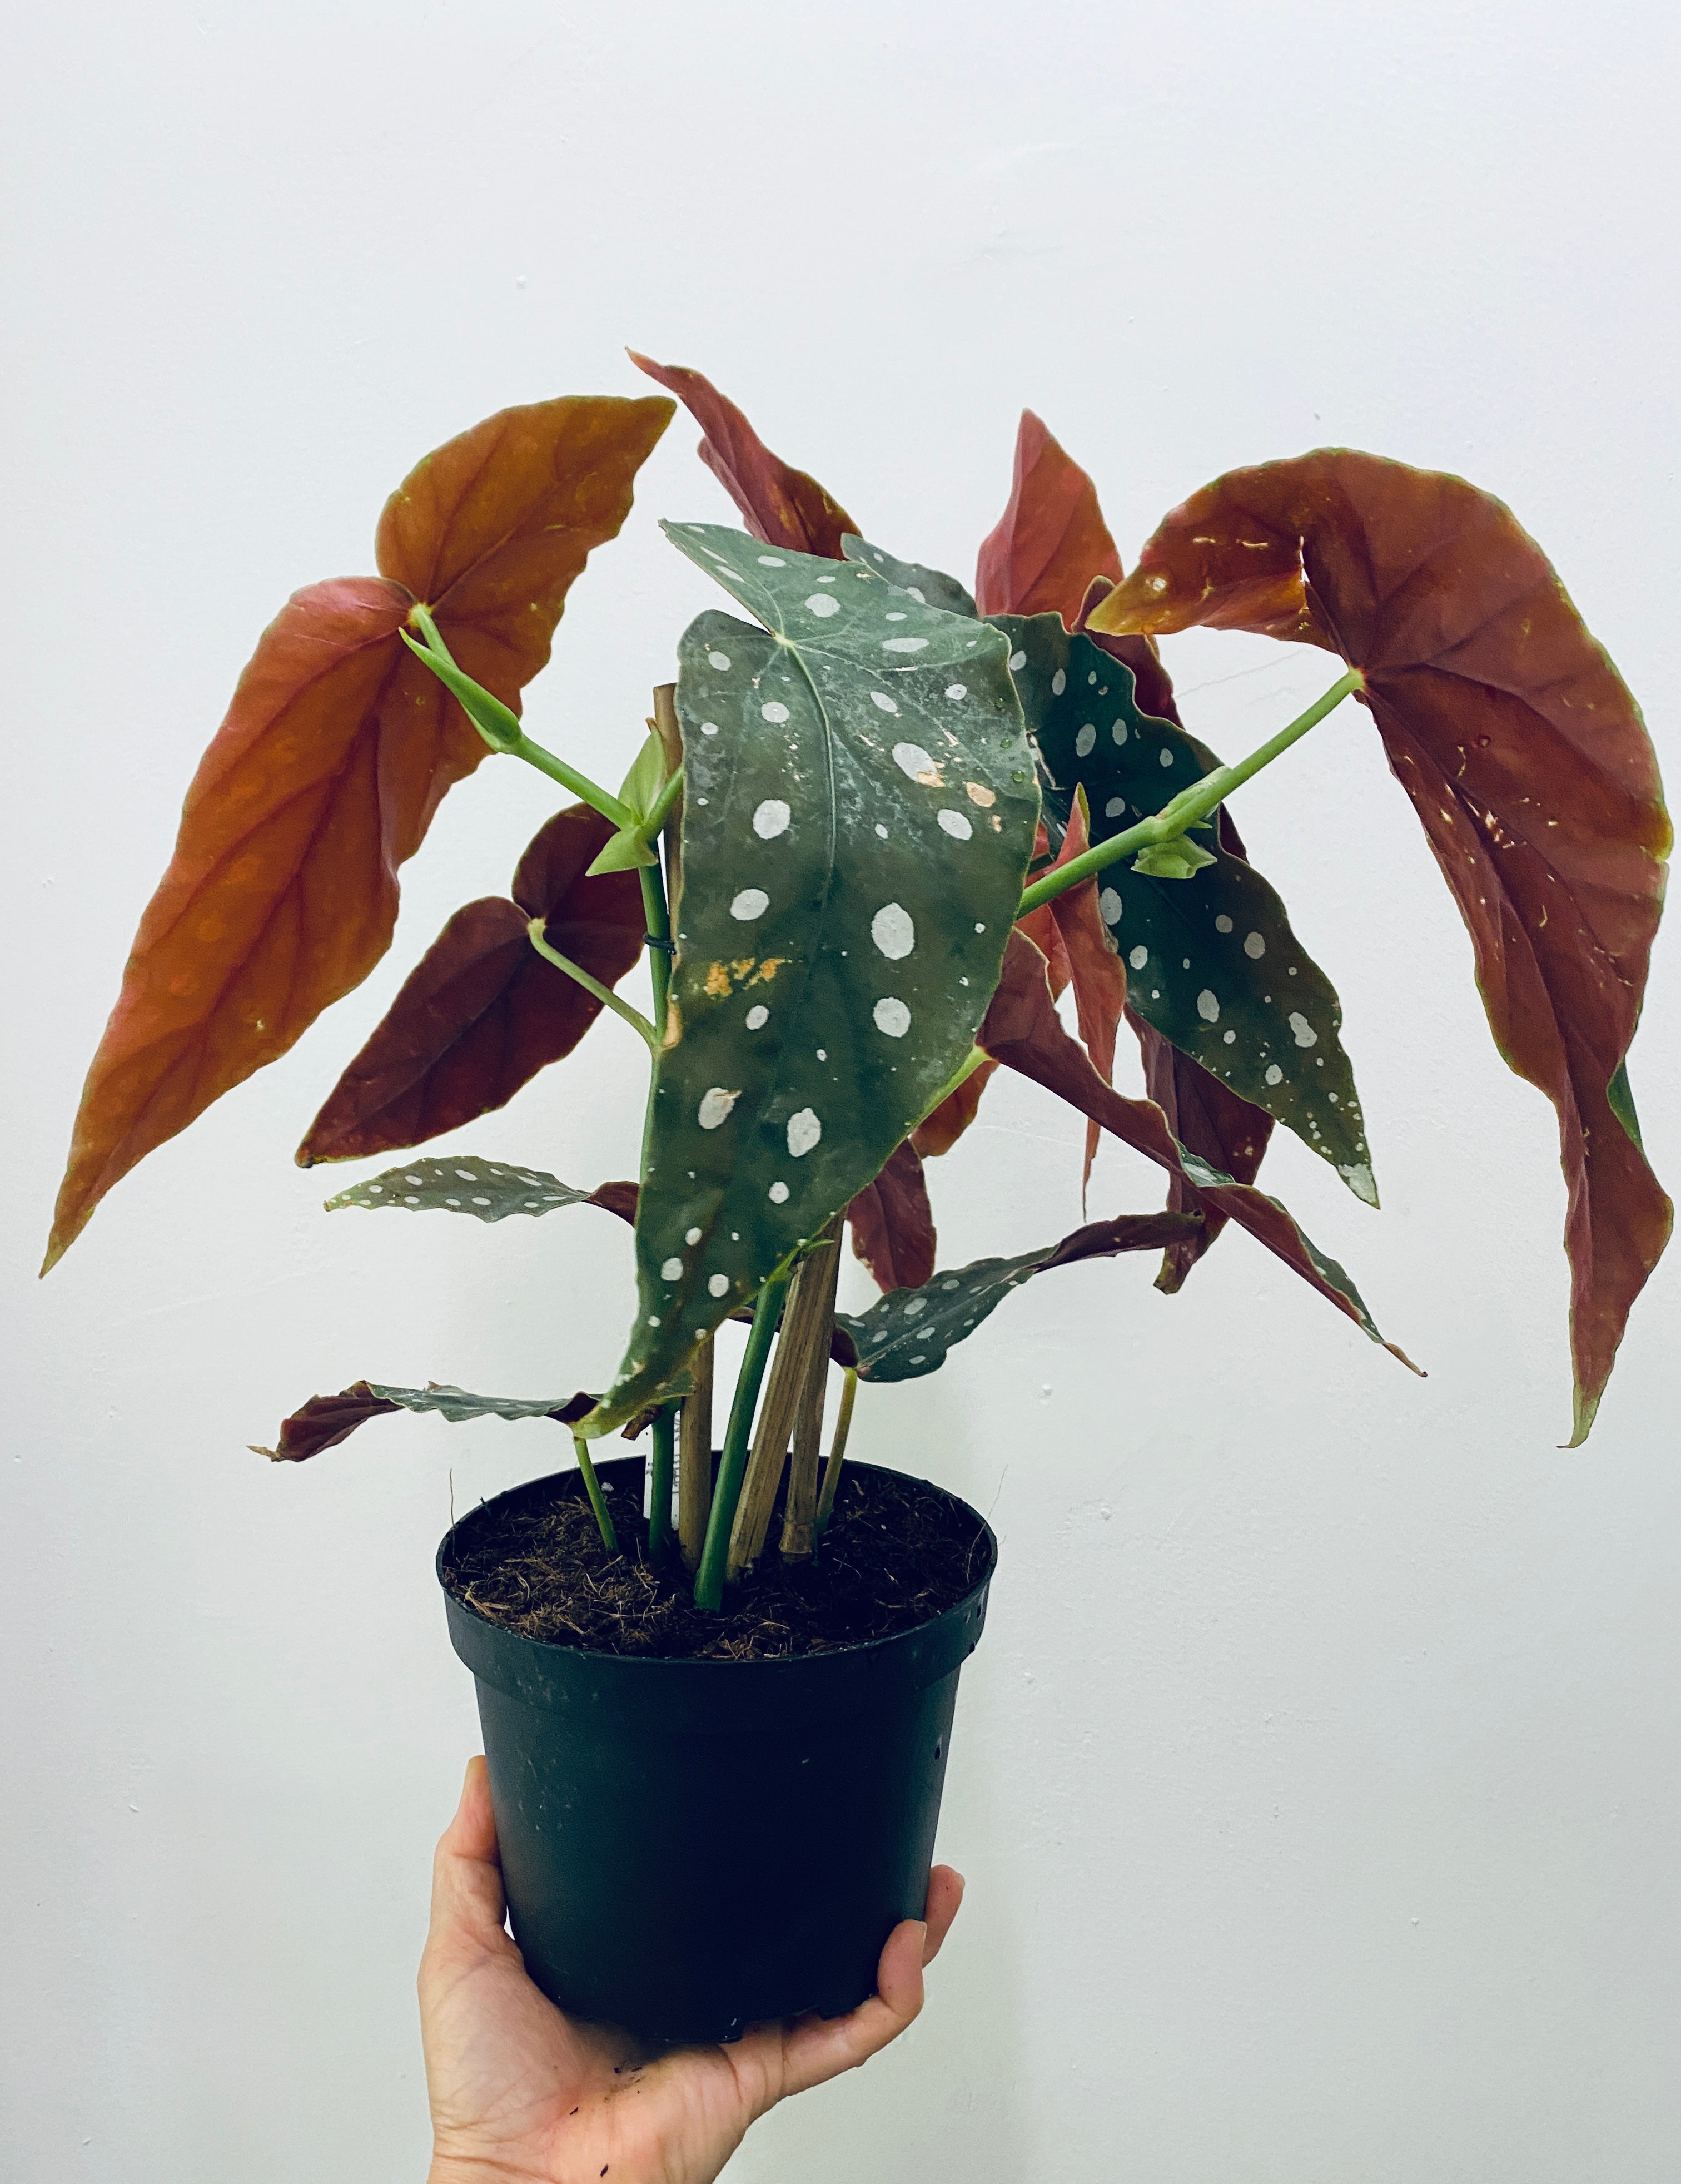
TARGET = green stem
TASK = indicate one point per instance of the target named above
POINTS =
(500, 727)
(610, 1537)
(709, 1583)
(658, 941)
(605, 995)
(1192, 806)
(660, 1474)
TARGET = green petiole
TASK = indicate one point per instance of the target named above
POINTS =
(605, 994)
(1193, 806)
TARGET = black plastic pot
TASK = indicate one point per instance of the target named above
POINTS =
(692, 1846)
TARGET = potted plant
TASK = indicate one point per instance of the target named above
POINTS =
(877, 828)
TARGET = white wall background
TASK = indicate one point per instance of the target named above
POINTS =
(1317, 1780)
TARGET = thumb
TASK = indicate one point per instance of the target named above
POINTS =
(468, 1903)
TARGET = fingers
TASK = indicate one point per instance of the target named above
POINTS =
(945, 1900)
(468, 1903)
(816, 2051)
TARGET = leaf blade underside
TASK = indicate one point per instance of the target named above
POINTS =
(1523, 754)
(322, 780)
(482, 1012)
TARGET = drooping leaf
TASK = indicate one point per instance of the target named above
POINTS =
(929, 588)
(1214, 965)
(1051, 539)
(910, 1332)
(1023, 1031)
(892, 1223)
(858, 809)
(1525, 758)
(1095, 969)
(337, 750)
(487, 1190)
(1211, 1121)
(781, 505)
(482, 1012)
(325, 1420)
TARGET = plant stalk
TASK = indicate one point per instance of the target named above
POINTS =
(610, 1537)
(694, 1458)
(1192, 806)
(806, 1326)
(800, 1514)
(825, 1505)
(660, 1470)
(708, 1585)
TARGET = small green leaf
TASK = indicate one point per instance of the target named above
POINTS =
(640, 790)
(1180, 859)
(858, 813)
(910, 1332)
(1211, 963)
(929, 588)
(488, 1190)
(626, 852)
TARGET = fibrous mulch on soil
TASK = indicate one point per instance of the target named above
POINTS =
(896, 1554)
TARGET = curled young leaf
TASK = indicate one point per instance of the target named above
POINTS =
(323, 779)
(892, 1223)
(486, 1190)
(1527, 763)
(325, 1420)
(779, 505)
(1023, 1031)
(858, 809)
(911, 1333)
(482, 1012)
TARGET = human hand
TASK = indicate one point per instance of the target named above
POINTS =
(521, 2094)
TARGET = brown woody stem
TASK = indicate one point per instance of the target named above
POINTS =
(825, 1506)
(805, 1327)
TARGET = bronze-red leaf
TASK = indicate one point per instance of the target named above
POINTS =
(779, 505)
(1526, 759)
(337, 750)
(892, 1223)
(482, 1012)
(1051, 539)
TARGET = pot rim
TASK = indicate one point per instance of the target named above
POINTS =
(852, 1650)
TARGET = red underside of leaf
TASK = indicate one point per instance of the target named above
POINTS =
(1051, 539)
(893, 1224)
(482, 1012)
(779, 505)
(1523, 754)
(336, 752)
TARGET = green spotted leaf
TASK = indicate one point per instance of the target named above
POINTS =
(910, 1332)
(488, 1190)
(858, 814)
(325, 1420)
(1212, 961)
(929, 588)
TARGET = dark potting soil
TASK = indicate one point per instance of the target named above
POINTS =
(896, 1554)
